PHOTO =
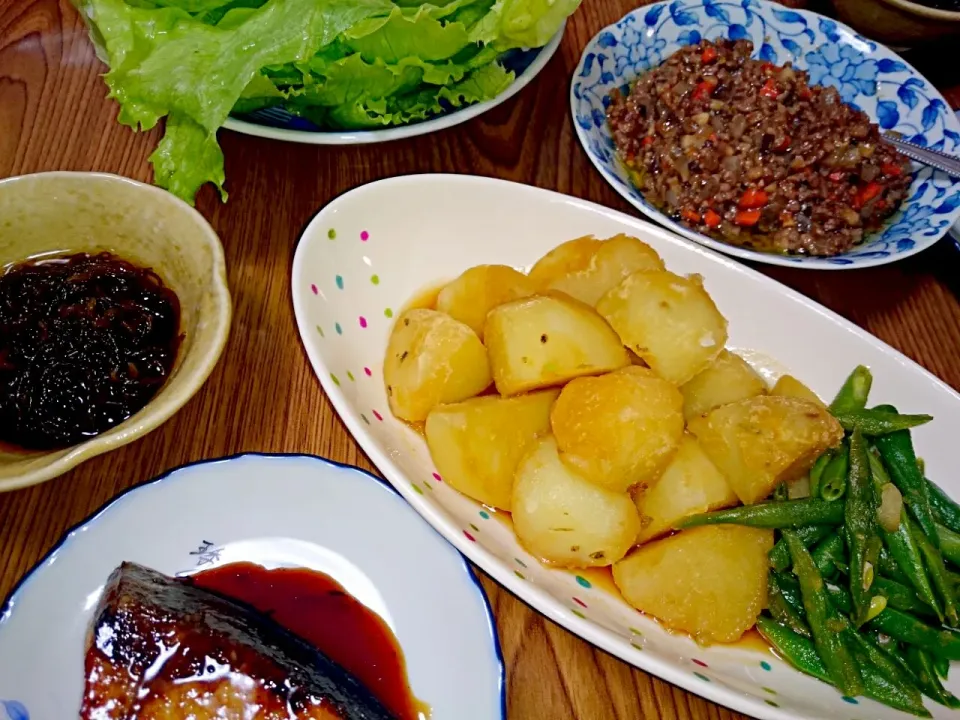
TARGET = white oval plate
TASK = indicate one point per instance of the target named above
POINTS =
(278, 124)
(277, 511)
(371, 250)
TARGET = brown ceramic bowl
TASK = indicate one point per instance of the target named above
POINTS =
(900, 24)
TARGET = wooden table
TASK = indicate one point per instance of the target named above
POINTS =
(54, 115)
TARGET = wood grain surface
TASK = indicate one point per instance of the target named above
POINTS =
(264, 397)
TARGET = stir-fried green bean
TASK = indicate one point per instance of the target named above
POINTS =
(922, 665)
(875, 423)
(788, 514)
(802, 654)
(860, 514)
(937, 572)
(833, 482)
(829, 555)
(900, 459)
(854, 391)
(903, 549)
(821, 617)
(946, 510)
(809, 536)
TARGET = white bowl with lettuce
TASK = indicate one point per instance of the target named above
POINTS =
(318, 71)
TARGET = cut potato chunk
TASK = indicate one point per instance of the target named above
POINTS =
(611, 262)
(789, 386)
(546, 340)
(727, 379)
(618, 429)
(763, 441)
(432, 359)
(691, 484)
(480, 289)
(709, 581)
(477, 444)
(565, 520)
(668, 320)
(565, 258)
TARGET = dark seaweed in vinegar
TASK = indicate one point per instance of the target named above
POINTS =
(85, 342)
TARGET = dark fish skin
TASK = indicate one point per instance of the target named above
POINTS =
(160, 648)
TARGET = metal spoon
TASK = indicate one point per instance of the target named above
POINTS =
(934, 158)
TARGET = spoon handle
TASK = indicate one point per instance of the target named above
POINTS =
(934, 158)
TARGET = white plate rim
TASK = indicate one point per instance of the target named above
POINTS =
(539, 600)
(9, 603)
(442, 122)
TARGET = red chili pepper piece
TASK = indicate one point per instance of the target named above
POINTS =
(805, 93)
(767, 67)
(648, 140)
(837, 176)
(890, 168)
(690, 215)
(709, 54)
(753, 198)
(711, 218)
(783, 144)
(747, 217)
(769, 89)
(705, 88)
(867, 193)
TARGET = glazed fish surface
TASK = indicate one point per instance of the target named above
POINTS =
(161, 648)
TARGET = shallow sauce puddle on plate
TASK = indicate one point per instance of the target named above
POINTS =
(316, 608)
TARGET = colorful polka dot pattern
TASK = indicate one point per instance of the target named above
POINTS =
(472, 531)
(362, 321)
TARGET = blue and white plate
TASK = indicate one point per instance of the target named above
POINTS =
(276, 511)
(278, 124)
(866, 74)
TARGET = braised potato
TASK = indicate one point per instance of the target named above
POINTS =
(565, 258)
(546, 340)
(476, 444)
(480, 289)
(565, 520)
(765, 440)
(611, 262)
(709, 581)
(618, 429)
(690, 484)
(432, 359)
(668, 320)
(789, 386)
(727, 379)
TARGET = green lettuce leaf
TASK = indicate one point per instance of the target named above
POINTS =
(482, 84)
(522, 23)
(187, 157)
(407, 34)
(342, 63)
(201, 70)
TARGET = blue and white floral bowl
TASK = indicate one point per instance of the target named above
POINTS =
(866, 74)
